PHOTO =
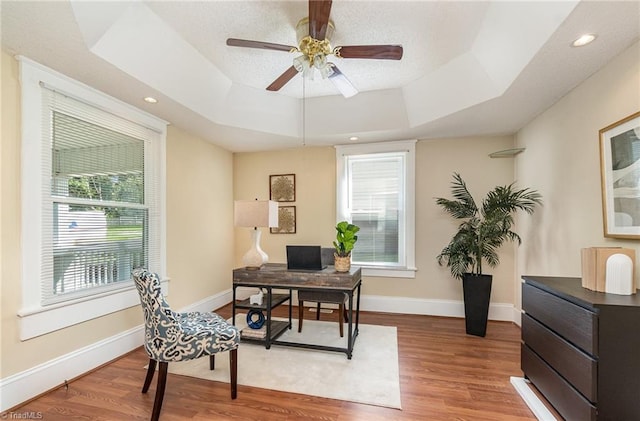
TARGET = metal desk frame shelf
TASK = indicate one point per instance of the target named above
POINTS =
(275, 276)
(274, 328)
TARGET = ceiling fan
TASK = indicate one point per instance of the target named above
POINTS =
(314, 42)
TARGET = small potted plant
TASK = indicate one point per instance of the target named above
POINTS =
(345, 240)
(479, 236)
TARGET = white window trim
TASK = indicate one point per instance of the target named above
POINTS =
(342, 199)
(35, 319)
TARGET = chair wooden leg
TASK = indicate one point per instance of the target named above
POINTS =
(300, 315)
(162, 382)
(212, 362)
(340, 311)
(233, 367)
(318, 311)
(346, 313)
(150, 372)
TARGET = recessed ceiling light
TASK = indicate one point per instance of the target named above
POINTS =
(150, 100)
(583, 40)
(353, 138)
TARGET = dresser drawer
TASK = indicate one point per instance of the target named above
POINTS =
(564, 398)
(574, 323)
(575, 366)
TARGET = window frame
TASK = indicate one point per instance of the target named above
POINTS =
(342, 200)
(35, 318)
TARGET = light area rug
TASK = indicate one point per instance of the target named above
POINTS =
(370, 377)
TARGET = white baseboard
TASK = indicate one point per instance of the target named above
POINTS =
(27, 384)
(531, 399)
(210, 303)
(517, 316)
(429, 307)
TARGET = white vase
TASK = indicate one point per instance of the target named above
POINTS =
(254, 258)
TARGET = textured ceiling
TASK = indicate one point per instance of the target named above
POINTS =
(469, 68)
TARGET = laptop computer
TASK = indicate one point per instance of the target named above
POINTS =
(304, 258)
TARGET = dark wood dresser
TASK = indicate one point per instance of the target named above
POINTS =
(581, 349)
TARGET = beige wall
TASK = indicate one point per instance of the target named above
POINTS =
(436, 160)
(199, 197)
(199, 218)
(315, 203)
(562, 160)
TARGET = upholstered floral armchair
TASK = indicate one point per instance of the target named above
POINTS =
(172, 337)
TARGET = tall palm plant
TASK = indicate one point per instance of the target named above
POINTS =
(483, 229)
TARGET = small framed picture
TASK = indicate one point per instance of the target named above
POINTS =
(286, 220)
(282, 187)
(620, 172)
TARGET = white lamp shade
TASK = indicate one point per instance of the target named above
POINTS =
(255, 213)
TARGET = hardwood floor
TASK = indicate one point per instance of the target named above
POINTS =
(444, 375)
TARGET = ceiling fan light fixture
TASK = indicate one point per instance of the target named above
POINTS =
(301, 63)
(319, 61)
(313, 57)
(314, 51)
(303, 66)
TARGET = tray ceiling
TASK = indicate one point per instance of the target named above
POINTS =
(469, 68)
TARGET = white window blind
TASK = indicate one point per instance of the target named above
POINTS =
(98, 201)
(375, 191)
(376, 185)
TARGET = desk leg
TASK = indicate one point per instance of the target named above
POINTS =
(350, 325)
(268, 321)
(353, 330)
(358, 307)
(290, 307)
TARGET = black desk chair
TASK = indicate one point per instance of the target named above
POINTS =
(329, 297)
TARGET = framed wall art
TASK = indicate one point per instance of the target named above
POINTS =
(286, 220)
(620, 174)
(282, 187)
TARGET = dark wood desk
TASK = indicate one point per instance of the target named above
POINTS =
(275, 276)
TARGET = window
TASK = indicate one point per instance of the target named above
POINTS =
(93, 200)
(376, 192)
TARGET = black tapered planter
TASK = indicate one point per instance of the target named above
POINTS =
(477, 293)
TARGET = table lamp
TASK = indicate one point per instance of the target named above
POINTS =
(255, 213)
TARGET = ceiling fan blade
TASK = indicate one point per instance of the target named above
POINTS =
(342, 83)
(234, 42)
(380, 52)
(283, 79)
(319, 11)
